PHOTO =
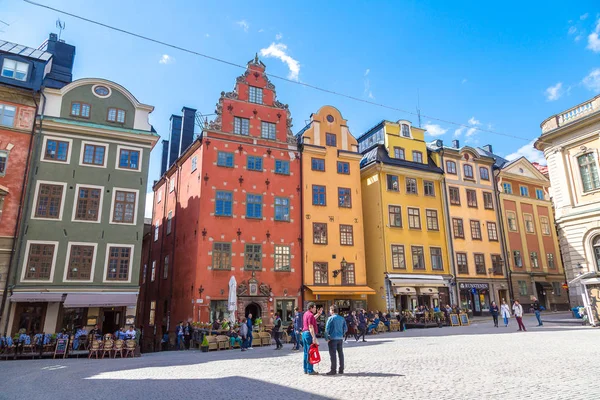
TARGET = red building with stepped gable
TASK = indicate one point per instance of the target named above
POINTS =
(229, 205)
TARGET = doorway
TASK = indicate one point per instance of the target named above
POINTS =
(253, 309)
(31, 317)
(111, 320)
(541, 294)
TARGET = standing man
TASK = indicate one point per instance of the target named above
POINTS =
(518, 311)
(362, 325)
(309, 334)
(244, 334)
(179, 331)
(249, 323)
(277, 331)
(335, 330)
(537, 309)
(298, 329)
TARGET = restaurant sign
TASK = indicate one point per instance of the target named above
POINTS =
(465, 285)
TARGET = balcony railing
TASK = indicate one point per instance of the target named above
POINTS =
(575, 113)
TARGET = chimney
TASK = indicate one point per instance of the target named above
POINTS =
(488, 148)
(455, 144)
(165, 157)
(439, 143)
(63, 57)
(187, 128)
(174, 139)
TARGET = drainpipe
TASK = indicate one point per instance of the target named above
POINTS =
(386, 282)
(174, 240)
(449, 237)
(164, 200)
(300, 196)
(505, 253)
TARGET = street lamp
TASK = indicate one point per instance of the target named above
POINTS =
(343, 265)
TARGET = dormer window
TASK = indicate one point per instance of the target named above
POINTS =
(405, 130)
(15, 69)
(116, 115)
(80, 110)
(255, 95)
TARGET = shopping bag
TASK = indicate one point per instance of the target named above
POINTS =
(314, 357)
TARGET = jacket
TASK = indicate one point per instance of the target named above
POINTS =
(277, 326)
(518, 309)
(243, 330)
(505, 311)
(350, 320)
(537, 306)
(335, 328)
(494, 310)
(362, 321)
(298, 321)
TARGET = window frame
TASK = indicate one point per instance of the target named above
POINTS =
(27, 257)
(248, 262)
(422, 257)
(510, 213)
(349, 233)
(227, 154)
(135, 209)
(538, 192)
(255, 95)
(281, 257)
(3, 107)
(497, 264)
(545, 225)
(417, 156)
(344, 199)
(349, 271)
(472, 202)
(525, 220)
(282, 206)
(36, 199)
(107, 262)
(550, 261)
(440, 256)
(417, 216)
(484, 176)
(470, 175)
(194, 164)
(433, 218)
(477, 230)
(507, 187)
(431, 185)
(391, 178)
(78, 187)
(323, 228)
(319, 194)
(454, 201)
(230, 200)
(398, 257)
(399, 151)
(462, 256)
(84, 144)
(524, 193)
(16, 69)
(411, 186)
(399, 214)
(117, 111)
(323, 272)
(223, 255)
(480, 267)
(490, 224)
(286, 171)
(522, 288)
(169, 222)
(317, 162)
(328, 141)
(140, 151)
(81, 104)
(405, 130)
(343, 164)
(58, 140)
(165, 273)
(243, 122)
(458, 228)
(535, 261)
(451, 167)
(490, 196)
(253, 160)
(271, 130)
(592, 165)
(254, 203)
(515, 254)
(4, 154)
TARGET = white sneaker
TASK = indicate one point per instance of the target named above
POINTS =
(250, 348)
(345, 342)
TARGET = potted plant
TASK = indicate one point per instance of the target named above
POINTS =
(204, 345)
(438, 315)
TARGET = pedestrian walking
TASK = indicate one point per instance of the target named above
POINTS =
(537, 310)
(351, 324)
(249, 323)
(335, 331)
(309, 334)
(244, 334)
(362, 325)
(180, 332)
(505, 311)
(277, 331)
(298, 329)
(518, 311)
(494, 311)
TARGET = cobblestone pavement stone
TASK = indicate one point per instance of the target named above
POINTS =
(556, 361)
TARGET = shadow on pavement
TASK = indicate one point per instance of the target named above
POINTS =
(371, 374)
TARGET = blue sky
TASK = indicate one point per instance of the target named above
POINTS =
(503, 67)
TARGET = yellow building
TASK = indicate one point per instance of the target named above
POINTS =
(333, 244)
(405, 229)
(476, 239)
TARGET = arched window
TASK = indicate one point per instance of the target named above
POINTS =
(588, 169)
(596, 249)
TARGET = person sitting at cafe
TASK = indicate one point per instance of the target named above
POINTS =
(81, 331)
(62, 334)
(120, 334)
(216, 326)
(130, 334)
(385, 321)
(95, 333)
(373, 325)
(225, 325)
(234, 337)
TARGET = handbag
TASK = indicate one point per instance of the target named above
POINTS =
(314, 357)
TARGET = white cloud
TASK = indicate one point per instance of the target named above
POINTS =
(207, 35)
(149, 203)
(434, 129)
(166, 59)
(474, 121)
(459, 131)
(367, 71)
(554, 92)
(367, 83)
(529, 152)
(278, 36)
(592, 80)
(244, 25)
(572, 30)
(279, 51)
(464, 81)
(579, 37)
(471, 132)
(261, 30)
(584, 16)
(594, 39)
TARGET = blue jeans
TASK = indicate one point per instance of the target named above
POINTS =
(306, 342)
(249, 340)
(298, 339)
(371, 328)
(180, 343)
(539, 317)
(506, 321)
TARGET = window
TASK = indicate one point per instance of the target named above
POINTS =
(344, 198)
(436, 258)
(171, 184)
(524, 191)
(118, 263)
(479, 264)
(318, 164)
(432, 220)
(461, 262)
(534, 259)
(556, 288)
(418, 257)
(468, 171)
(169, 219)
(158, 196)
(153, 272)
(124, 207)
(116, 115)
(522, 288)
(405, 130)
(282, 209)
(285, 309)
(7, 115)
(318, 194)
(511, 217)
(255, 95)
(517, 258)
(414, 218)
(267, 130)
(3, 162)
(320, 273)
(411, 186)
(283, 258)
(417, 156)
(528, 223)
(319, 233)
(254, 163)
(488, 201)
(454, 196)
(80, 110)
(428, 188)
(596, 247)
(39, 261)
(484, 173)
(471, 198)
(152, 315)
(156, 227)
(330, 139)
(475, 230)
(221, 256)
(194, 163)
(225, 159)
(492, 231)
(223, 203)
(93, 154)
(80, 262)
(550, 259)
(588, 169)
(49, 201)
(392, 183)
(545, 225)
(282, 167)
(346, 235)
(56, 150)
(129, 159)
(88, 204)
(458, 228)
(348, 275)
(253, 257)
(241, 126)
(343, 167)
(166, 268)
(399, 153)
(398, 258)
(507, 188)
(15, 69)
(253, 205)
(395, 216)
(451, 167)
(497, 264)
(539, 194)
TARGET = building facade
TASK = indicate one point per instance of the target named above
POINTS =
(333, 240)
(571, 144)
(405, 230)
(81, 237)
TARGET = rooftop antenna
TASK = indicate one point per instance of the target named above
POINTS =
(61, 26)
(419, 107)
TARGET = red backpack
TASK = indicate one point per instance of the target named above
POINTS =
(314, 357)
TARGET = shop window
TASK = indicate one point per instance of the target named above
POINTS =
(218, 310)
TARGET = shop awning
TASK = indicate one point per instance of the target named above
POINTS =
(416, 283)
(591, 281)
(340, 290)
(75, 300)
(36, 297)
(428, 291)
